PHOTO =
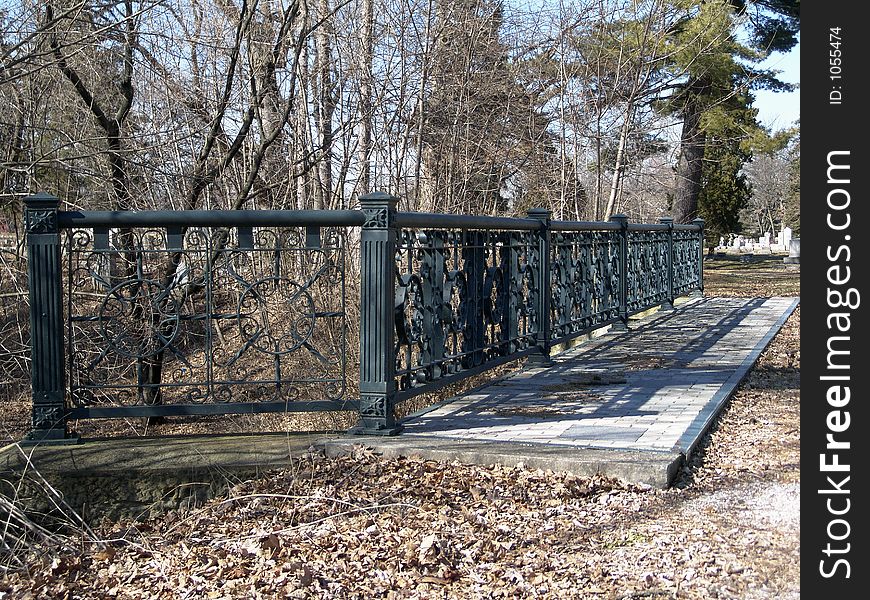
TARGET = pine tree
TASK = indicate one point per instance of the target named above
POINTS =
(717, 68)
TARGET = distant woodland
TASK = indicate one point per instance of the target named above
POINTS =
(589, 107)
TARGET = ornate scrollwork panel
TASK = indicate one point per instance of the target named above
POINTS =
(647, 273)
(585, 280)
(687, 274)
(462, 298)
(198, 319)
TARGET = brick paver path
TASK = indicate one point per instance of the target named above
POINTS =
(655, 387)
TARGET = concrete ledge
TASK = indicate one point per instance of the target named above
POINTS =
(128, 478)
(154, 454)
(656, 469)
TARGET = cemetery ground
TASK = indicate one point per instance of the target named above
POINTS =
(359, 526)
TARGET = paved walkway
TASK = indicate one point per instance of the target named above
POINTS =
(646, 395)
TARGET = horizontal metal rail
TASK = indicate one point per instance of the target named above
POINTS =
(584, 226)
(403, 395)
(417, 220)
(326, 218)
(210, 218)
(648, 227)
(234, 408)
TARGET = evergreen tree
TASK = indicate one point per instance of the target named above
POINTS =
(717, 67)
(792, 212)
(724, 189)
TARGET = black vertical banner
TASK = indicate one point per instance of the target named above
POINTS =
(835, 233)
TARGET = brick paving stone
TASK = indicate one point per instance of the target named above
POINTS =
(671, 373)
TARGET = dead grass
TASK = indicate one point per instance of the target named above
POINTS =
(755, 276)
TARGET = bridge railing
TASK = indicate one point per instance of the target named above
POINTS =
(470, 293)
(161, 313)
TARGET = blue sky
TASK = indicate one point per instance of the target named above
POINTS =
(781, 110)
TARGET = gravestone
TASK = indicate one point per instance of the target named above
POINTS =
(786, 237)
(794, 252)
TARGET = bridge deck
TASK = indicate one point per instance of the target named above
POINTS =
(629, 404)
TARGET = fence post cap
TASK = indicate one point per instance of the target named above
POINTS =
(666, 220)
(41, 200)
(620, 218)
(539, 213)
(379, 198)
(699, 222)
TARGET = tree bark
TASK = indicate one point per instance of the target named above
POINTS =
(365, 95)
(690, 165)
(619, 165)
(326, 104)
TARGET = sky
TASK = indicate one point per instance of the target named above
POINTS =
(779, 110)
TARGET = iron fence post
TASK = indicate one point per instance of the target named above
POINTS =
(669, 303)
(377, 381)
(508, 301)
(700, 224)
(541, 276)
(622, 220)
(48, 378)
(474, 265)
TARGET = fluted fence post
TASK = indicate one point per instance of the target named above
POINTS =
(48, 378)
(669, 303)
(541, 275)
(622, 220)
(377, 319)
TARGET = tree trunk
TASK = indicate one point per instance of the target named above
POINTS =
(326, 104)
(619, 165)
(691, 162)
(365, 93)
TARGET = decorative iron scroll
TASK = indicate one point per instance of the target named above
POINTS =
(647, 272)
(41, 221)
(462, 299)
(687, 269)
(199, 318)
(585, 280)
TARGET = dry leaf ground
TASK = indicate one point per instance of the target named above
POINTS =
(364, 527)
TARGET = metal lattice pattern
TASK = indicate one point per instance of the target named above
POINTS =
(687, 269)
(462, 300)
(647, 272)
(585, 281)
(161, 313)
(198, 318)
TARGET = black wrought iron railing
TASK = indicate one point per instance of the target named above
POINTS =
(161, 313)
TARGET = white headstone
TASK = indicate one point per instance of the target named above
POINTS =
(786, 237)
(794, 253)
